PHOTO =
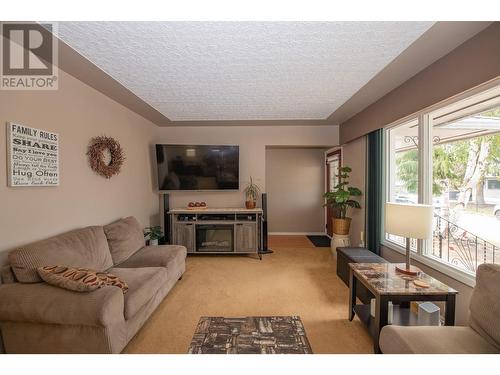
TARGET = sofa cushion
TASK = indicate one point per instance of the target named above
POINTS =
(125, 237)
(84, 248)
(485, 304)
(7, 275)
(170, 256)
(71, 278)
(79, 279)
(432, 340)
(143, 284)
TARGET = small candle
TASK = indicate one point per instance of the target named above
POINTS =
(362, 236)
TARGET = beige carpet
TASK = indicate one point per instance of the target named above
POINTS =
(298, 279)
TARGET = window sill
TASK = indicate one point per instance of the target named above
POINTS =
(456, 274)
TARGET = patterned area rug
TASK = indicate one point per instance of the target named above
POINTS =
(250, 335)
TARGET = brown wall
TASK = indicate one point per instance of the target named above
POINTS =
(252, 141)
(472, 63)
(295, 182)
(78, 113)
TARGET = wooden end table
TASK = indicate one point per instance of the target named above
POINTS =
(388, 285)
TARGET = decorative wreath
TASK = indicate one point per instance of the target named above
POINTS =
(96, 156)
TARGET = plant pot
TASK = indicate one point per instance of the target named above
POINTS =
(250, 204)
(153, 242)
(341, 226)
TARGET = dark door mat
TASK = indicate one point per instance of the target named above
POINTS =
(250, 335)
(320, 241)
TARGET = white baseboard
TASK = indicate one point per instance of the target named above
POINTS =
(298, 234)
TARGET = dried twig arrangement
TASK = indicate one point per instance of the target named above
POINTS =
(96, 156)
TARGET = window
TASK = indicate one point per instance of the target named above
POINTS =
(493, 184)
(449, 156)
(465, 160)
(403, 169)
(333, 163)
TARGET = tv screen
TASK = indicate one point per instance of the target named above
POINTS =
(182, 167)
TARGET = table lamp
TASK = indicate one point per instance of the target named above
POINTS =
(410, 221)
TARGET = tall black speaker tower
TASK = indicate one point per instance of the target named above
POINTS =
(166, 219)
(265, 249)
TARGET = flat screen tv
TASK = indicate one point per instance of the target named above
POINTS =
(182, 167)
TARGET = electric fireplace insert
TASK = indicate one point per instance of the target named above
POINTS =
(215, 238)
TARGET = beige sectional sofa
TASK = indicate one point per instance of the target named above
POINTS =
(36, 317)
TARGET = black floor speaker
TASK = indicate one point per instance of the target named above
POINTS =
(166, 220)
(265, 249)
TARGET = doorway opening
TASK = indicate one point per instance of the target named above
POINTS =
(333, 164)
(295, 183)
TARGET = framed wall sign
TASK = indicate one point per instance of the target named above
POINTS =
(32, 156)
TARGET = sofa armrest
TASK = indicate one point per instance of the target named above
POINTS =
(44, 303)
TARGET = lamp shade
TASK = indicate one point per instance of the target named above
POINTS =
(409, 220)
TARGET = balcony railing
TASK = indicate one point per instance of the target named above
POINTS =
(460, 248)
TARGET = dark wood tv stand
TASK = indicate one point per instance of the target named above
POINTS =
(217, 230)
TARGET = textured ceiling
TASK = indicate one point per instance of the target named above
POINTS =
(195, 71)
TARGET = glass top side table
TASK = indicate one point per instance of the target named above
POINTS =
(388, 285)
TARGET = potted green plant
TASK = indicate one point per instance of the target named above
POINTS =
(252, 192)
(154, 234)
(341, 199)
